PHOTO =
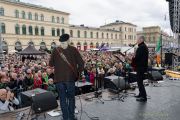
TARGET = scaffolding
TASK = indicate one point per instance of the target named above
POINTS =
(176, 30)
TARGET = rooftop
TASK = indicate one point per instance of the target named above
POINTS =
(117, 22)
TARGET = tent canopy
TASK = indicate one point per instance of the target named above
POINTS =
(30, 50)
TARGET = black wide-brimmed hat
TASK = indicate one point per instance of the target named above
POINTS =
(64, 37)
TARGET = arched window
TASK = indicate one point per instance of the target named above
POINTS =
(91, 34)
(42, 31)
(36, 30)
(4, 46)
(97, 35)
(23, 15)
(102, 35)
(85, 34)
(97, 45)
(31, 43)
(85, 46)
(53, 32)
(79, 46)
(53, 19)
(30, 30)
(16, 13)
(24, 29)
(42, 46)
(18, 46)
(62, 20)
(78, 34)
(111, 36)
(107, 35)
(42, 17)
(62, 31)
(72, 44)
(58, 32)
(3, 28)
(30, 16)
(91, 45)
(1, 11)
(58, 20)
(36, 16)
(17, 29)
(71, 33)
(53, 45)
(116, 36)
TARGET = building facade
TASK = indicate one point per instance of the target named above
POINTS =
(23, 24)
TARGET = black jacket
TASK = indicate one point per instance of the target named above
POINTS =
(141, 57)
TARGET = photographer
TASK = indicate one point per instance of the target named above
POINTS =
(7, 100)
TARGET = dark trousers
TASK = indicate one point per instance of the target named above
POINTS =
(66, 92)
(140, 77)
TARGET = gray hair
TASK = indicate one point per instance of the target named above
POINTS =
(142, 38)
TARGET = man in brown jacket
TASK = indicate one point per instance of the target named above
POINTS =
(67, 63)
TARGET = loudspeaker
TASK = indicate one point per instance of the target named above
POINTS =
(44, 102)
(26, 97)
(114, 83)
(168, 58)
(155, 76)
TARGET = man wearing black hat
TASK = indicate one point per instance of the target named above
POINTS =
(67, 62)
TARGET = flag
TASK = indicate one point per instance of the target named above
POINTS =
(158, 51)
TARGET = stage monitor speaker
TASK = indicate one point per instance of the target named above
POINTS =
(26, 97)
(155, 76)
(168, 58)
(44, 102)
(114, 83)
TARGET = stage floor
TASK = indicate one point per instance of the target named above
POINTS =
(163, 104)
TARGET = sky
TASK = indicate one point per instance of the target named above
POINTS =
(95, 13)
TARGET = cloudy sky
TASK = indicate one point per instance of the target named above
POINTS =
(99, 12)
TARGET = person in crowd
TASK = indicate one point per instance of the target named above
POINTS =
(67, 63)
(28, 81)
(37, 81)
(141, 62)
(7, 100)
(52, 87)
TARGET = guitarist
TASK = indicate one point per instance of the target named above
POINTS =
(67, 62)
(141, 62)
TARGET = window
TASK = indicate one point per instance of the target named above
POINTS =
(125, 36)
(97, 45)
(42, 31)
(107, 36)
(58, 32)
(125, 28)
(17, 14)
(97, 35)
(53, 32)
(116, 36)
(58, 21)
(62, 20)
(30, 16)
(120, 29)
(71, 33)
(24, 29)
(30, 30)
(91, 34)
(53, 19)
(102, 35)
(1, 11)
(85, 34)
(17, 29)
(36, 30)
(62, 31)
(3, 28)
(23, 15)
(111, 36)
(78, 34)
(36, 16)
(42, 17)
(31, 43)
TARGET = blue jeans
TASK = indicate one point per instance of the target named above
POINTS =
(66, 92)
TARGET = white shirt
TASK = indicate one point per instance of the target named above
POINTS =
(5, 107)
